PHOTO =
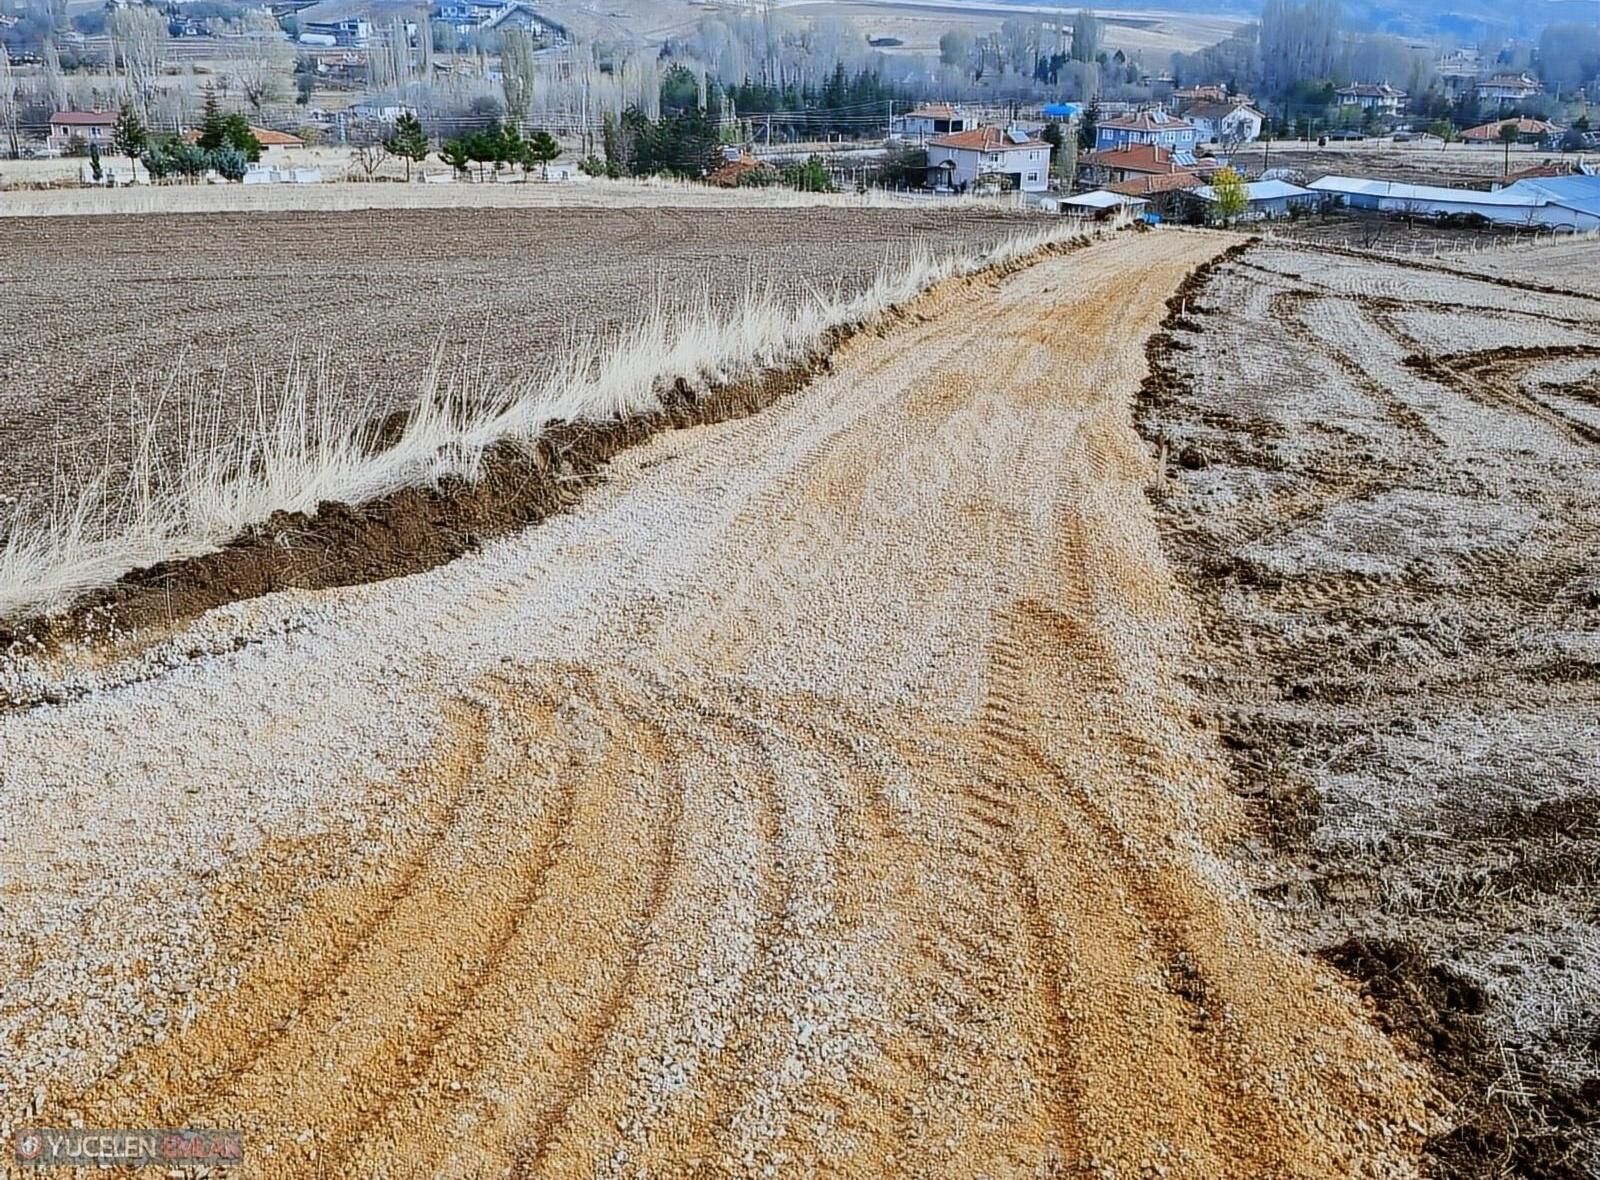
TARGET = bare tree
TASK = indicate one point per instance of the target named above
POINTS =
(139, 39)
(516, 74)
(370, 157)
(258, 58)
(55, 83)
(8, 103)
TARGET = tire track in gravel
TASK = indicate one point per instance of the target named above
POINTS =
(831, 808)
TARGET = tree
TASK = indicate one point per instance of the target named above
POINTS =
(1085, 36)
(409, 141)
(258, 56)
(129, 136)
(1231, 197)
(139, 40)
(454, 153)
(1444, 130)
(517, 71)
(955, 47)
(95, 170)
(8, 104)
(1507, 136)
(229, 162)
(1088, 125)
(810, 177)
(541, 148)
(369, 157)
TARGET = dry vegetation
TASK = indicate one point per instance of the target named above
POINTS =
(232, 420)
(1386, 510)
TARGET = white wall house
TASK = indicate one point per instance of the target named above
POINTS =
(1368, 96)
(924, 122)
(960, 161)
(1223, 122)
(1508, 88)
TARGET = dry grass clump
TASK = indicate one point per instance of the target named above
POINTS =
(299, 455)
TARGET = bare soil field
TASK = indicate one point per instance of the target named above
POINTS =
(821, 796)
(116, 316)
(1385, 500)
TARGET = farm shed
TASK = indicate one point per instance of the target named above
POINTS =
(1267, 198)
(1100, 203)
(1530, 203)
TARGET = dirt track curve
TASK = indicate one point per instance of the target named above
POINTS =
(820, 798)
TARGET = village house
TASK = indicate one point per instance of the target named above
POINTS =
(1165, 194)
(1368, 96)
(92, 127)
(1151, 127)
(966, 159)
(1224, 122)
(1459, 72)
(351, 32)
(1528, 131)
(1507, 88)
(930, 119)
(1138, 159)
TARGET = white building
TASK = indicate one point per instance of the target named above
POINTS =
(924, 122)
(1381, 97)
(1508, 88)
(965, 159)
(1571, 203)
(1225, 122)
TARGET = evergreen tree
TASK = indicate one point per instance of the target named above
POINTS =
(409, 141)
(128, 135)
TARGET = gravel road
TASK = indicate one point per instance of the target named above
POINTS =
(822, 797)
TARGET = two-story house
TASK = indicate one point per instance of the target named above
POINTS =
(1224, 122)
(1373, 96)
(92, 127)
(1508, 88)
(930, 119)
(1152, 127)
(966, 159)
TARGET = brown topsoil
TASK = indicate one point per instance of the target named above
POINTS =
(1434, 1013)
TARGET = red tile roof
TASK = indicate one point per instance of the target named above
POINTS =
(84, 118)
(1140, 157)
(1524, 127)
(1147, 121)
(1149, 186)
(985, 139)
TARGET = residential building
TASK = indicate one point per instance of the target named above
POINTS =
(93, 127)
(1267, 198)
(1508, 88)
(930, 119)
(967, 159)
(1165, 193)
(348, 32)
(1459, 72)
(1152, 127)
(1224, 122)
(1099, 204)
(1368, 96)
(1138, 159)
(1528, 131)
(467, 15)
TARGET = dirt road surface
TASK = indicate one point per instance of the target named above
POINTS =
(821, 798)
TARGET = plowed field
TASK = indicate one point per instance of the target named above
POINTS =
(821, 797)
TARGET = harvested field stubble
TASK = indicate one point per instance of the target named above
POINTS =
(1389, 525)
(817, 797)
(205, 460)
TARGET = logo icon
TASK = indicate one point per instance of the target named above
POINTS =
(29, 1145)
